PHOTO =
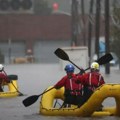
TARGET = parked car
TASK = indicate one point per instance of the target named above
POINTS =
(115, 60)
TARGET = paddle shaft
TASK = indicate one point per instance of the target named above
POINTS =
(45, 92)
(78, 67)
(75, 65)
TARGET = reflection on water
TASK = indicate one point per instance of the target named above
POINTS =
(34, 79)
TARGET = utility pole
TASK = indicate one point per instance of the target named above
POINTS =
(90, 31)
(9, 50)
(97, 29)
(107, 49)
(74, 22)
(83, 21)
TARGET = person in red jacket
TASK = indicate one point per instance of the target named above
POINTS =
(91, 80)
(73, 92)
(3, 77)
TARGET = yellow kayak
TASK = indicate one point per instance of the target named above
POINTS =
(12, 88)
(88, 109)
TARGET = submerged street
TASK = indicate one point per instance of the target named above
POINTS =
(33, 79)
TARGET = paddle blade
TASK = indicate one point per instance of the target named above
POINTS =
(30, 100)
(105, 59)
(61, 54)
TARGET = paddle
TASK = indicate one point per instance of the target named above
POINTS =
(20, 94)
(64, 56)
(103, 60)
(32, 99)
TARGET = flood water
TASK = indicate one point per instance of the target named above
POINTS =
(34, 79)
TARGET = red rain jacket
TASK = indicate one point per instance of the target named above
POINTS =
(69, 84)
(92, 80)
(3, 78)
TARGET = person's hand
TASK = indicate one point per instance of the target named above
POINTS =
(8, 80)
(82, 71)
(77, 82)
(57, 87)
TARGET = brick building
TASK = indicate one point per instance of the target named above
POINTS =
(41, 34)
(18, 33)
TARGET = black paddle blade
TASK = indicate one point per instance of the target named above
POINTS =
(30, 100)
(105, 59)
(61, 54)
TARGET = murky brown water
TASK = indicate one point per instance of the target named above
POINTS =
(34, 79)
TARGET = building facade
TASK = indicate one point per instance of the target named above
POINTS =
(41, 34)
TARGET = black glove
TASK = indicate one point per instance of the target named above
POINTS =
(57, 87)
(82, 71)
(77, 82)
(9, 81)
